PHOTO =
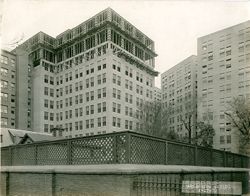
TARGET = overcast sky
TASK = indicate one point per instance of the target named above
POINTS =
(174, 26)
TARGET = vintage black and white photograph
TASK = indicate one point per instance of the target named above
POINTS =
(125, 98)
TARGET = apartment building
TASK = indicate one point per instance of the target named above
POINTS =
(88, 80)
(179, 95)
(157, 94)
(8, 89)
(223, 73)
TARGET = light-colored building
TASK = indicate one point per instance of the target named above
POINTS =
(179, 95)
(8, 89)
(88, 80)
(223, 73)
(157, 94)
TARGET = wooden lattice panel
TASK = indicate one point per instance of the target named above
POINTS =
(52, 154)
(93, 151)
(24, 155)
(121, 148)
(147, 151)
(218, 159)
(203, 157)
(5, 157)
(179, 154)
(230, 160)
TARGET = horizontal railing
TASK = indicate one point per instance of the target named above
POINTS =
(119, 148)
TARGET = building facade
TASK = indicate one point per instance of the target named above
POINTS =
(8, 89)
(88, 80)
(157, 94)
(179, 96)
(223, 74)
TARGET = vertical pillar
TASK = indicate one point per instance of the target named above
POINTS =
(36, 154)
(128, 150)
(53, 184)
(211, 157)
(10, 156)
(224, 159)
(166, 153)
(195, 156)
(7, 188)
(115, 149)
(69, 152)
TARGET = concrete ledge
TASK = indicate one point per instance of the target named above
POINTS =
(117, 169)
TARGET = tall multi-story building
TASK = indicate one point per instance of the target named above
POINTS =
(8, 89)
(179, 95)
(223, 73)
(88, 80)
(157, 94)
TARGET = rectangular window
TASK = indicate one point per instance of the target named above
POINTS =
(229, 139)
(46, 103)
(104, 106)
(92, 123)
(104, 121)
(104, 92)
(99, 122)
(46, 91)
(222, 139)
(4, 109)
(114, 122)
(99, 108)
(46, 115)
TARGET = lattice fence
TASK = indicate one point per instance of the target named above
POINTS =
(52, 154)
(93, 151)
(123, 147)
(217, 157)
(204, 157)
(24, 155)
(147, 151)
(179, 154)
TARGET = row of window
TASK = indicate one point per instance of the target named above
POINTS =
(5, 84)
(101, 107)
(4, 122)
(91, 123)
(4, 60)
(227, 140)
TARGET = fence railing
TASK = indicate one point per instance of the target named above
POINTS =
(118, 148)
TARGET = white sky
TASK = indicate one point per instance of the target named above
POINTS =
(174, 26)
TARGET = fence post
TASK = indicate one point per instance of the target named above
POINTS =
(128, 150)
(10, 156)
(211, 157)
(195, 156)
(36, 154)
(7, 185)
(224, 158)
(241, 161)
(69, 152)
(166, 153)
(115, 149)
(53, 183)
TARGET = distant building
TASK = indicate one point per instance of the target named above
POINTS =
(13, 136)
(8, 89)
(179, 92)
(223, 73)
(88, 80)
(157, 94)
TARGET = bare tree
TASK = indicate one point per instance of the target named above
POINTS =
(154, 119)
(238, 112)
(205, 135)
(148, 115)
(190, 118)
(188, 124)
